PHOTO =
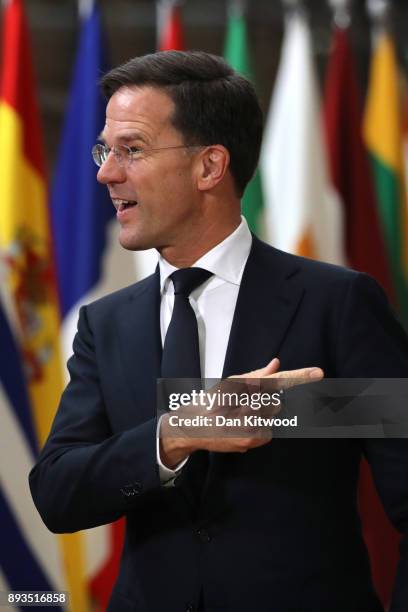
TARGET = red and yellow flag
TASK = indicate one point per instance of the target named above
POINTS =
(383, 135)
(25, 239)
(365, 249)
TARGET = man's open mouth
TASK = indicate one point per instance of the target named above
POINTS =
(123, 204)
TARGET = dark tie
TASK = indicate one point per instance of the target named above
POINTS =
(181, 359)
(181, 351)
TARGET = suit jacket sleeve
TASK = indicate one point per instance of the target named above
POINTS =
(371, 343)
(87, 476)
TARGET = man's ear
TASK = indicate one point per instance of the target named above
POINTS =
(213, 163)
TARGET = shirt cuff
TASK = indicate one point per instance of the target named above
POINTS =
(167, 475)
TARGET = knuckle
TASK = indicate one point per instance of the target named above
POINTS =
(243, 444)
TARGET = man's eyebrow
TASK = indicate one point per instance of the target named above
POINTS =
(132, 136)
(126, 137)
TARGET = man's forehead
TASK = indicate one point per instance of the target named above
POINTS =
(140, 104)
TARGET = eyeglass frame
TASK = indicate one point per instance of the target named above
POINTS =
(131, 151)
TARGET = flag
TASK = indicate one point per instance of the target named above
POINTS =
(302, 211)
(25, 240)
(365, 250)
(383, 133)
(83, 215)
(29, 553)
(81, 207)
(349, 166)
(170, 29)
(405, 124)
(237, 54)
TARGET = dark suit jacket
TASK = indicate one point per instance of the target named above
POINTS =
(275, 529)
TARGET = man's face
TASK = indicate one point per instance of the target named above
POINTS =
(159, 184)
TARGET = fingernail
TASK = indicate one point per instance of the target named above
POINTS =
(315, 373)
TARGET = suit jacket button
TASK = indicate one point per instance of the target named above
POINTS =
(137, 487)
(204, 535)
(190, 608)
(132, 489)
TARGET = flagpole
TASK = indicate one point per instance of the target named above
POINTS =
(85, 8)
(341, 13)
(162, 9)
(379, 11)
(237, 7)
(293, 5)
(294, 8)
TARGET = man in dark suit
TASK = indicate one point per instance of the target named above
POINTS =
(216, 523)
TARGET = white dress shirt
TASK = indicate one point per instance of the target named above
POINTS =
(213, 303)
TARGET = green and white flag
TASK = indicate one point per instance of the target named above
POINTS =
(237, 54)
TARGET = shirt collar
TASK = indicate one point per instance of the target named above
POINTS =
(226, 260)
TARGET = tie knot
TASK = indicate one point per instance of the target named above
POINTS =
(186, 280)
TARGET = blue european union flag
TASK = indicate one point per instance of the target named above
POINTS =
(80, 207)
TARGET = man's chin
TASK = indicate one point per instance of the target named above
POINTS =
(133, 243)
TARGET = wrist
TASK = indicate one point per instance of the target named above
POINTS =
(174, 446)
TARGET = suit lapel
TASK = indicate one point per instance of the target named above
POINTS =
(138, 324)
(269, 295)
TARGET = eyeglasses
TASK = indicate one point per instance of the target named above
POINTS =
(124, 155)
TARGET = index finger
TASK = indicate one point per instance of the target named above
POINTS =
(292, 378)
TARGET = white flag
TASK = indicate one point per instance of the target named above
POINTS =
(303, 214)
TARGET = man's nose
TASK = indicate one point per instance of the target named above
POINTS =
(111, 172)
